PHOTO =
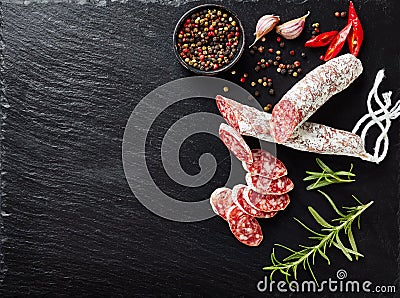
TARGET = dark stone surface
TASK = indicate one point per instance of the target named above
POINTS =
(74, 73)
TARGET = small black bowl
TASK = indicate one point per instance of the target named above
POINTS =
(240, 46)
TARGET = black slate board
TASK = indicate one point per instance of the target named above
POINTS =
(71, 226)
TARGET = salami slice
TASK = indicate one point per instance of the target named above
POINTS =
(243, 118)
(244, 227)
(310, 93)
(221, 201)
(228, 111)
(240, 202)
(267, 203)
(235, 143)
(310, 137)
(265, 164)
(267, 186)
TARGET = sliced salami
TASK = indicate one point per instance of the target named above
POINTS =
(310, 137)
(267, 186)
(244, 227)
(235, 143)
(243, 118)
(228, 111)
(265, 164)
(266, 203)
(310, 93)
(240, 202)
(221, 201)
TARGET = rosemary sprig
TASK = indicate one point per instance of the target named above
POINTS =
(327, 176)
(328, 236)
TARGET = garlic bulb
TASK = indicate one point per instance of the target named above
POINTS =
(264, 25)
(293, 28)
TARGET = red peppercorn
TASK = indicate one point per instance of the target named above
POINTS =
(291, 53)
(296, 63)
(187, 21)
(211, 28)
(242, 80)
(216, 66)
(237, 33)
(221, 56)
(228, 44)
(321, 57)
(278, 39)
(337, 14)
(266, 64)
(316, 30)
(271, 50)
(201, 57)
(269, 80)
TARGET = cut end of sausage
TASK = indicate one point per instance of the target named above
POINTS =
(225, 107)
(284, 120)
(235, 143)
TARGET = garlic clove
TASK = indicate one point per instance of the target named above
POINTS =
(293, 28)
(264, 25)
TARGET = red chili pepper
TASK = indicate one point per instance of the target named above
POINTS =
(321, 40)
(337, 43)
(356, 35)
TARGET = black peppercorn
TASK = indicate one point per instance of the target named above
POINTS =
(271, 91)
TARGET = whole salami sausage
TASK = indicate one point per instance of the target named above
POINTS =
(310, 137)
(265, 203)
(310, 93)
(244, 227)
(265, 164)
(235, 143)
(240, 202)
(221, 201)
(267, 186)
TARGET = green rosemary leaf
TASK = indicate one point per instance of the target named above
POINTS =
(340, 245)
(332, 203)
(307, 228)
(319, 218)
(358, 201)
(324, 256)
(285, 247)
(318, 184)
(323, 166)
(308, 178)
(344, 173)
